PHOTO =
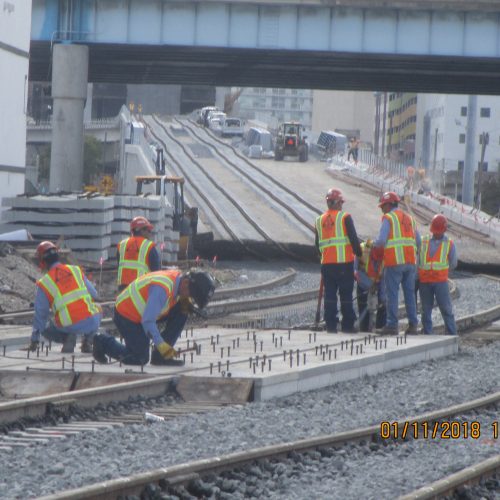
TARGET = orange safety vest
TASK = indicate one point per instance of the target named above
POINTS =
(68, 295)
(401, 247)
(369, 264)
(434, 269)
(131, 303)
(133, 254)
(334, 244)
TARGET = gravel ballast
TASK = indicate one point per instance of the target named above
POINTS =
(107, 454)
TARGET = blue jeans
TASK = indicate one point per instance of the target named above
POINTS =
(136, 348)
(442, 293)
(60, 334)
(338, 278)
(403, 275)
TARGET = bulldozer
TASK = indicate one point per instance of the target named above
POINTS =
(290, 141)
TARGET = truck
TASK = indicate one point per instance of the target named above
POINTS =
(290, 141)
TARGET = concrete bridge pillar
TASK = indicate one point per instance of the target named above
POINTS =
(69, 91)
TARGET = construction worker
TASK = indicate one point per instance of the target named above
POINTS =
(437, 256)
(70, 295)
(161, 296)
(397, 245)
(368, 275)
(337, 243)
(353, 149)
(137, 254)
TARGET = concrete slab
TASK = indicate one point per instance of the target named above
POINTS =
(278, 362)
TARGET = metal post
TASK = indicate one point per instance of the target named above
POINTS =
(485, 139)
(470, 145)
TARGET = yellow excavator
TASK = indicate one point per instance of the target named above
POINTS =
(185, 220)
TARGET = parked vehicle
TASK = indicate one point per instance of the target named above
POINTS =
(203, 118)
(232, 126)
(215, 119)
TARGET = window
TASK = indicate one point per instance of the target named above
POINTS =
(461, 139)
(460, 166)
(463, 111)
(485, 112)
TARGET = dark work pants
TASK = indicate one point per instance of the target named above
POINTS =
(136, 348)
(364, 317)
(338, 278)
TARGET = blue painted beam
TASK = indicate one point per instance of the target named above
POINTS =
(362, 28)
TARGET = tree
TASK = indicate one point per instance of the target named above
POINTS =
(92, 160)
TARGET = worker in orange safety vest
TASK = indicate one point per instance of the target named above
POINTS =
(137, 254)
(67, 291)
(337, 243)
(437, 255)
(399, 240)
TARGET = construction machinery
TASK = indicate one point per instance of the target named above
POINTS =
(184, 220)
(290, 141)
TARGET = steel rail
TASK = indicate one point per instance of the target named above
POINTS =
(183, 473)
(256, 168)
(253, 180)
(266, 237)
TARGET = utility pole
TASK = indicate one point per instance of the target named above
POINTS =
(470, 145)
(435, 153)
(485, 139)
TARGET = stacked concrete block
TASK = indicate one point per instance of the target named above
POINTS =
(78, 223)
(157, 212)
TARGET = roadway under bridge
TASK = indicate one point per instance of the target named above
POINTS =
(427, 46)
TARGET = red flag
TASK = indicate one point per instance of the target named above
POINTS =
(197, 260)
(101, 261)
(162, 246)
(214, 261)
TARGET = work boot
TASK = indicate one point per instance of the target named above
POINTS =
(158, 360)
(352, 329)
(388, 330)
(86, 345)
(69, 344)
(98, 350)
(411, 330)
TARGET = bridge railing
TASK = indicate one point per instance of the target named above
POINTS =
(101, 123)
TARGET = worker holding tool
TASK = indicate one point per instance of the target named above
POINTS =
(397, 245)
(437, 255)
(370, 291)
(337, 243)
(137, 254)
(66, 291)
(161, 296)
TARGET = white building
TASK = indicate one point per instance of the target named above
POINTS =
(441, 132)
(274, 106)
(15, 26)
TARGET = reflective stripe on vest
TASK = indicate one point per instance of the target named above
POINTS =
(434, 269)
(131, 302)
(398, 245)
(78, 298)
(132, 269)
(338, 240)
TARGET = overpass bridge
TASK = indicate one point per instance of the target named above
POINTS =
(449, 46)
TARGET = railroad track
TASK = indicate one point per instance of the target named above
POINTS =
(270, 200)
(205, 473)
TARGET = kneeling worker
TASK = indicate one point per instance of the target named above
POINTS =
(70, 295)
(154, 297)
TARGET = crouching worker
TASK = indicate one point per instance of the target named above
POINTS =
(70, 295)
(370, 292)
(161, 296)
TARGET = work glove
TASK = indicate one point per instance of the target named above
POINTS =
(34, 344)
(166, 350)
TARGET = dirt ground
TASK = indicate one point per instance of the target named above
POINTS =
(18, 274)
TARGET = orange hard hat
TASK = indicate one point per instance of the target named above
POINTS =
(389, 197)
(335, 195)
(139, 223)
(44, 250)
(439, 224)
